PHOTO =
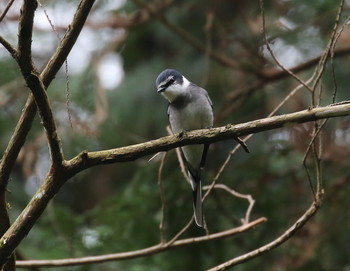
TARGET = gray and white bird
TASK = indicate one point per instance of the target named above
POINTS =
(190, 108)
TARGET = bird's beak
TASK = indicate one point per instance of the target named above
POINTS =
(160, 89)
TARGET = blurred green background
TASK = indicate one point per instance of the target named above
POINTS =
(113, 103)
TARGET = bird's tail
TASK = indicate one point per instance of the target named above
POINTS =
(197, 195)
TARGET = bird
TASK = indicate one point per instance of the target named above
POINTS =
(189, 108)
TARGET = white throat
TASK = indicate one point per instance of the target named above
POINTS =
(173, 91)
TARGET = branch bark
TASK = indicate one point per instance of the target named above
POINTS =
(130, 153)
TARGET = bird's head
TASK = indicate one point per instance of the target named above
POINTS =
(171, 84)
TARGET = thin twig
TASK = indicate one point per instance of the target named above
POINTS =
(8, 6)
(273, 244)
(65, 63)
(288, 71)
(249, 198)
(8, 47)
(239, 95)
(180, 158)
(322, 62)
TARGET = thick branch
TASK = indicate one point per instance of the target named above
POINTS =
(133, 152)
(26, 220)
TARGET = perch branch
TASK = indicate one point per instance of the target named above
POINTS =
(130, 153)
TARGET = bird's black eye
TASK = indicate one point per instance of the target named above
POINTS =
(171, 80)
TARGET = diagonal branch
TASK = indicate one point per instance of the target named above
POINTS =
(36, 85)
(6, 9)
(68, 41)
(273, 244)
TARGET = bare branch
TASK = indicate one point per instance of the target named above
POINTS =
(25, 31)
(3, 14)
(8, 47)
(33, 79)
(35, 84)
(270, 75)
(275, 243)
(28, 113)
(249, 198)
(133, 152)
(288, 71)
(68, 41)
(142, 252)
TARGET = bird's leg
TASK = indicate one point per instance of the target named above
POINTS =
(182, 133)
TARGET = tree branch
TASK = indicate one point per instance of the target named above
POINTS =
(36, 86)
(68, 41)
(142, 252)
(130, 153)
(6, 9)
(25, 31)
(275, 243)
(34, 81)
(28, 113)
(8, 47)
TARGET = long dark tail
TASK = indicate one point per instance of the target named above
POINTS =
(196, 184)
